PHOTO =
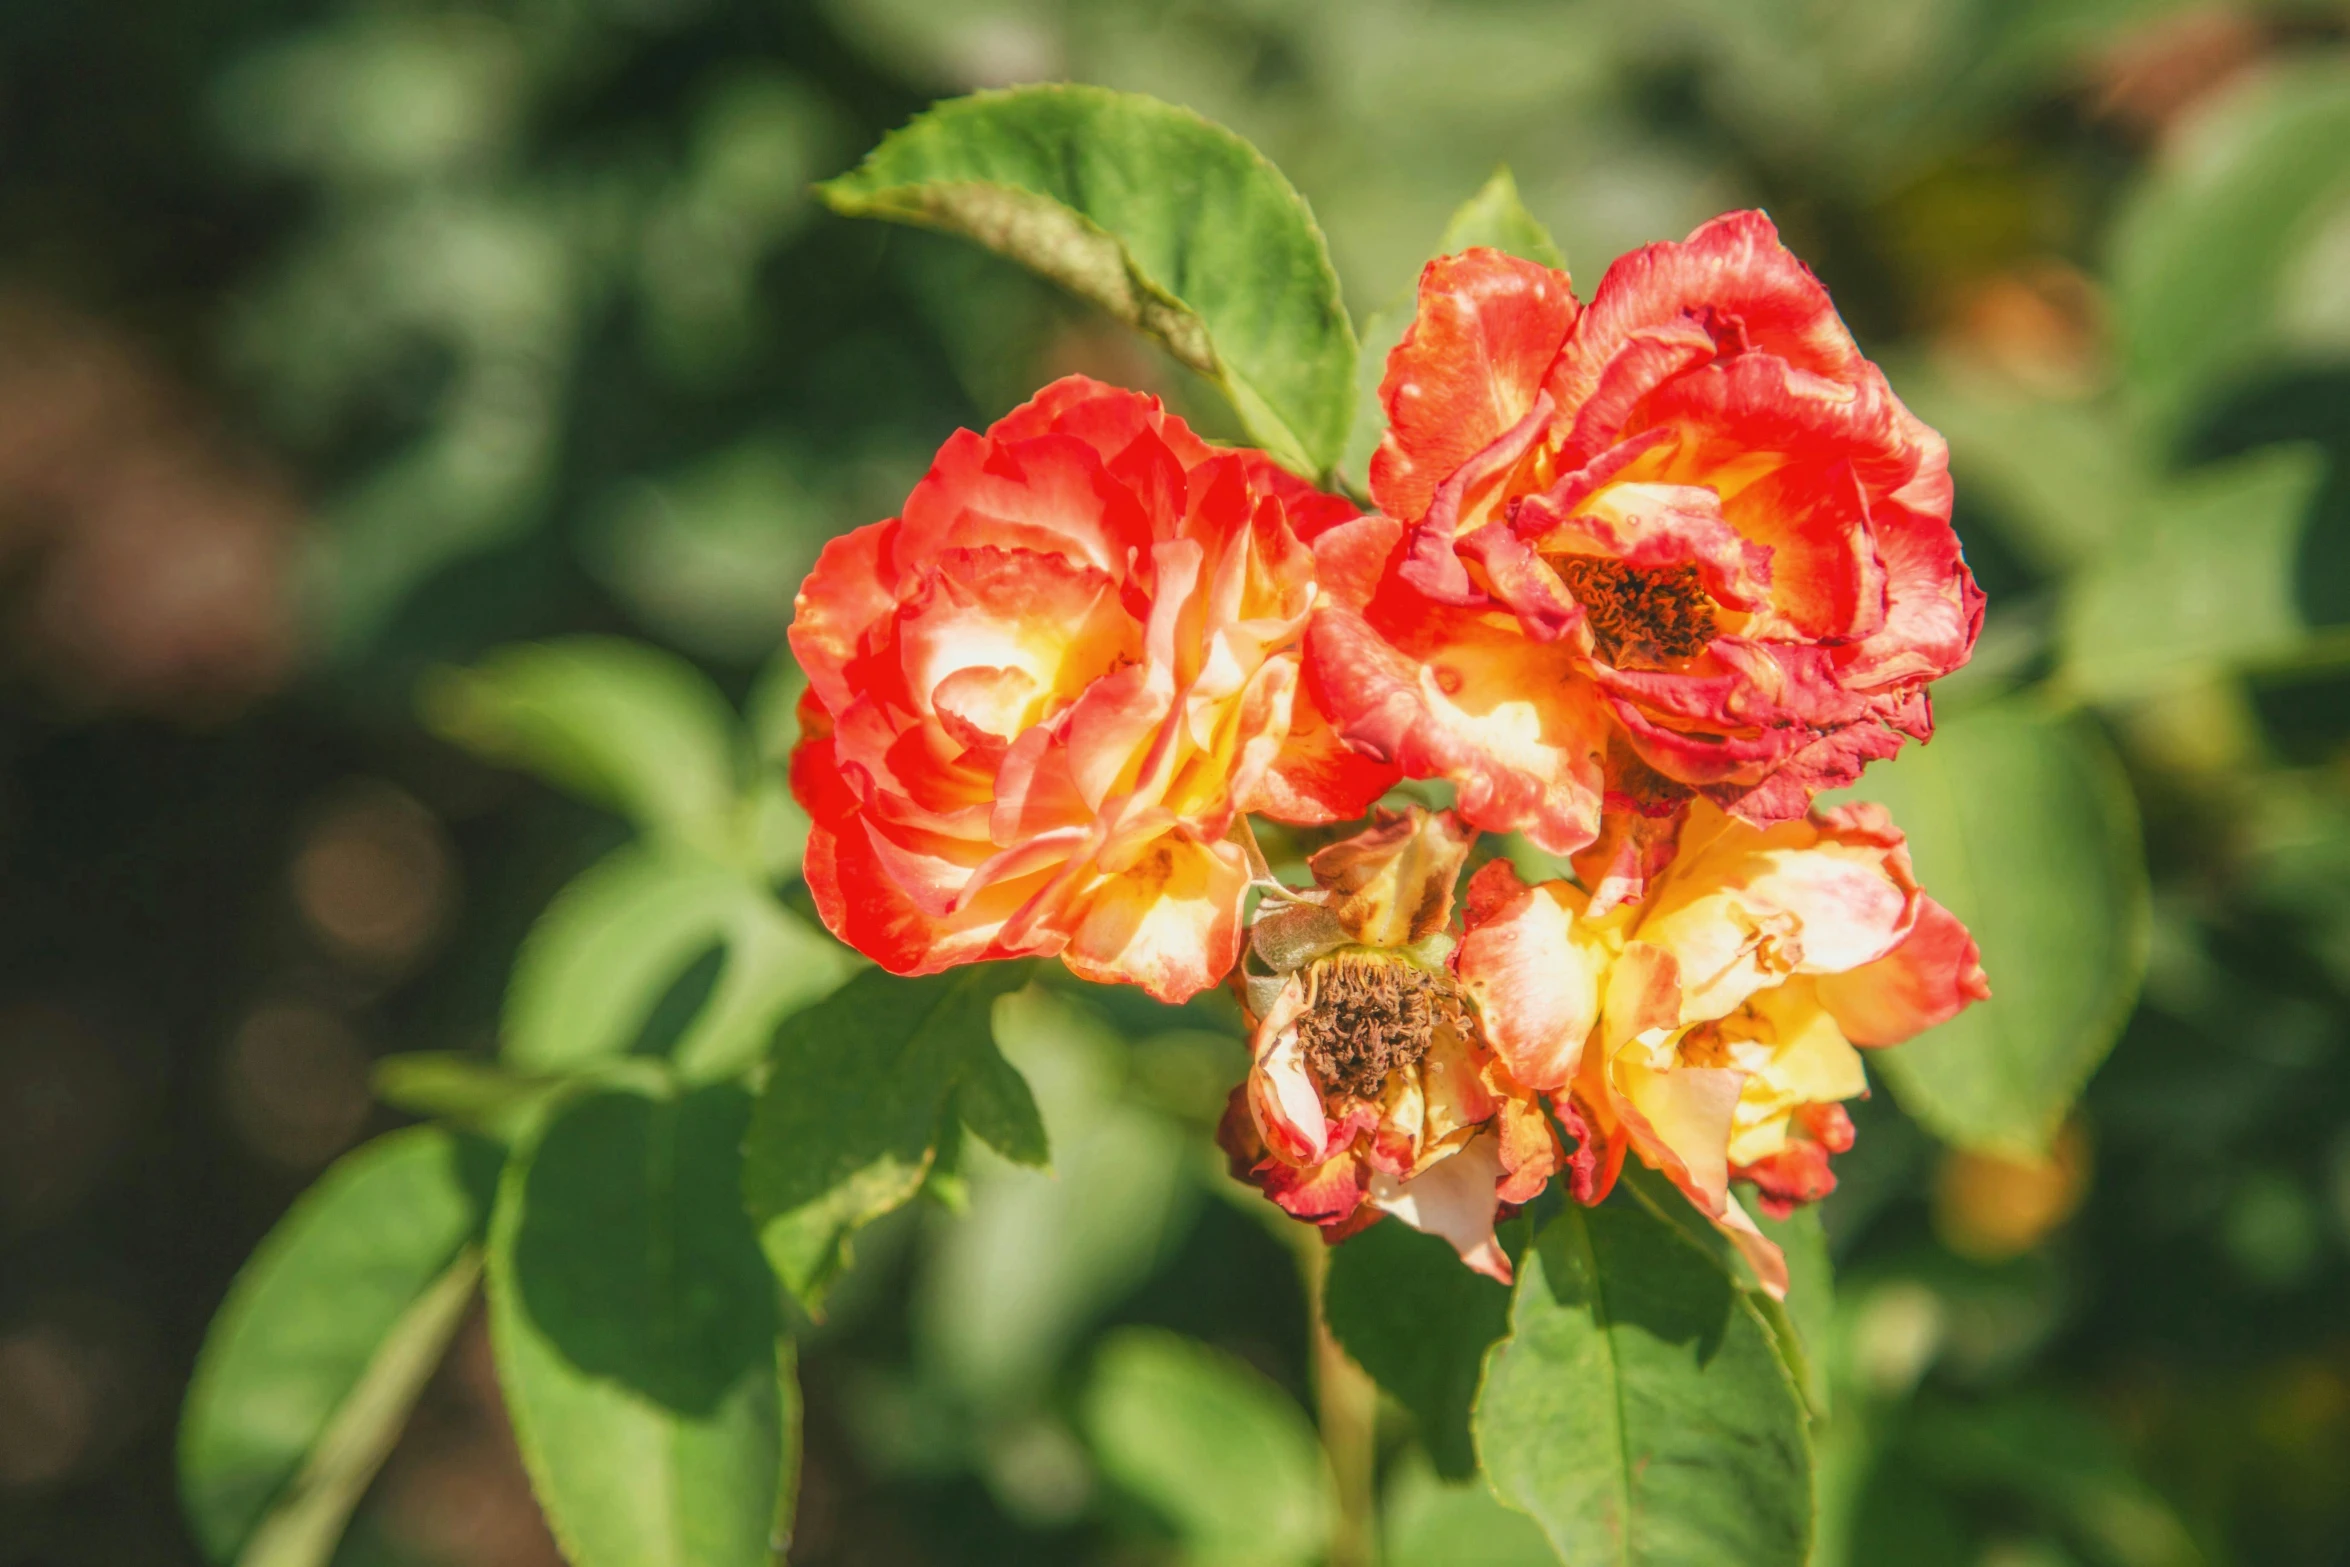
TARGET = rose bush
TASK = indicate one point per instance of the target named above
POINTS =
(1711, 1029)
(1041, 697)
(1683, 540)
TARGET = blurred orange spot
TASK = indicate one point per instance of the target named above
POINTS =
(294, 1083)
(1991, 1206)
(375, 878)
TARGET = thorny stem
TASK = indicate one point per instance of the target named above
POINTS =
(1348, 1405)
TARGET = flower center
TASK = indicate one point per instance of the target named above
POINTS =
(1368, 1017)
(1655, 615)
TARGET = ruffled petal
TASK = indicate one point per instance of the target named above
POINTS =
(1534, 972)
(1932, 976)
(1467, 370)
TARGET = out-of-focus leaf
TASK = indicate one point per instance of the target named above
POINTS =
(1218, 1453)
(2065, 1463)
(1638, 1409)
(856, 1103)
(1495, 217)
(1402, 1305)
(325, 1340)
(1012, 1282)
(620, 723)
(612, 943)
(1432, 1523)
(2200, 578)
(636, 1326)
(2200, 252)
(2024, 826)
(1172, 224)
(448, 1085)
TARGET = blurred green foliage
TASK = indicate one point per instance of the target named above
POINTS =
(533, 304)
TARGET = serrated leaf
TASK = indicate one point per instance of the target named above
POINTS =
(612, 943)
(1495, 217)
(1639, 1410)
(1171, 223)
(1223, 1457)
(636, 1329)
(329, 1333)
(850, 1120)
(2024, 826)
(1400, 1303)
(619, 723)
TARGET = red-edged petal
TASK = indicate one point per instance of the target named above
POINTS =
(1935, 974)
(1467, 370)
(1535, 976)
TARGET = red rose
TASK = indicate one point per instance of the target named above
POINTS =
(1039, 699)
(1683, 540)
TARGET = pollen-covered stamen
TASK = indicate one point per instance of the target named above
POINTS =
(1367, 1017)
(1653, 614)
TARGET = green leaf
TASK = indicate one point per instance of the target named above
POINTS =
(2204, 252)
(1638, 1409)
(1496, 218)
(2024, 826)
(618, 723)
(325, 1340)
(636, 1329)
(2200, 577)
(855, 1104)
(1006, 1288)
(1402, 1305)
(1430, 1523)
(449, 1085)
(610, 946)
(1223, 1457)
(2067, 1464)
(1805, 1322)
(1172, 224)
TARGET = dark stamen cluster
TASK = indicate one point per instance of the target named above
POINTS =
(1368, 1018)
(1654, 615)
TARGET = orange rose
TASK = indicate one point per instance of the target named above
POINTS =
(1040, 699)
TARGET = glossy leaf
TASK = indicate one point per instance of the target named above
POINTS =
(1219, 1454)
(2204, 250)
(1639, 1410)
(2023, 825)
(636, 1329)
(1171, 223)
(1403, 1307)
(619, 723)
(856, 1105)
(614, 941)
(325, 1340)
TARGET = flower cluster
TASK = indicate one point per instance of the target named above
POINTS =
(1645, 577)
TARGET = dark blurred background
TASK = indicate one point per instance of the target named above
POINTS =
(340, 339)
